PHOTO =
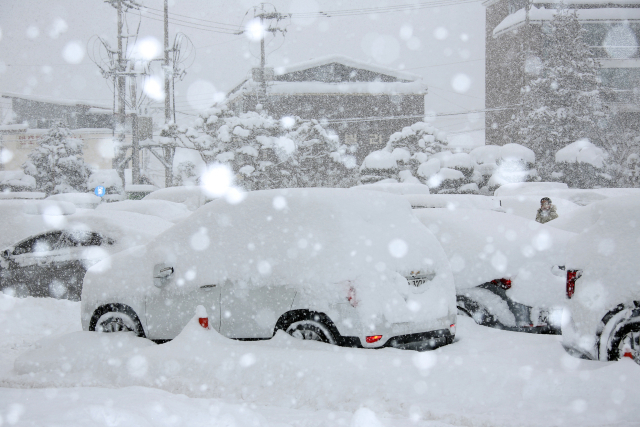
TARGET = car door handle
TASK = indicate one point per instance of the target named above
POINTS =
(207, 287)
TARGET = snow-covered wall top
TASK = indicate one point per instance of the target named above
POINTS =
(539, 16)
(57, 101)
(569, 3)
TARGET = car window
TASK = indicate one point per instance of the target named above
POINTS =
(41, 243)
(85, 238)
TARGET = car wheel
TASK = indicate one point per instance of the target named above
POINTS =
(116, 318)
(625, 341)
(311, 330)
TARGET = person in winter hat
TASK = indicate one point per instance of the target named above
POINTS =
(547, 211)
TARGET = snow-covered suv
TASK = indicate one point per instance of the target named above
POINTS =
(343, 267)
(602, 320)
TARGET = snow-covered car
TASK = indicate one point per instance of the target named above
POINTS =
(191, 196)
(505, 268)
(170, 211)
(602, 319)
(80, 200)
(419, 197)
(53, 263)
(333, 265)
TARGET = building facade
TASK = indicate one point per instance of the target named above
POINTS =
(515, 26)
(364, 104)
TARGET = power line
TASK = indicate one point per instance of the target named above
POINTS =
(381, 9)
(176, 21)
(208, 29)
(194, 18)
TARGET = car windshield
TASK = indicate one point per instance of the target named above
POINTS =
(191, 189)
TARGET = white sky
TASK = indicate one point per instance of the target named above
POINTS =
(37, 41)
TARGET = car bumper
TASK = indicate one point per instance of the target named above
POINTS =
(419, 341)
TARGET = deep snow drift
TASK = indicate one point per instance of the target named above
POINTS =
(487, 377)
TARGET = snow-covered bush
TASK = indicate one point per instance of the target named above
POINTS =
(57, 163)
(499, 165)
(404, 155)
(582, 165)
(108, 178)
(16, 181)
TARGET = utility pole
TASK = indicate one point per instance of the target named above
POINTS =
(135, 136)
(120, 154)
(167, 96)
(264, 15)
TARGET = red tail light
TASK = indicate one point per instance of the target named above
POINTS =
(373, 338)
(572, 275)
(503, 283)
(204, 322)
(351, 297)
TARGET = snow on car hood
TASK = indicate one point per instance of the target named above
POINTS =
(484, 245)
(322, 241)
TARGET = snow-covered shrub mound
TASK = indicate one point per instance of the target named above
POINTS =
(501, 165)
(108, 178)
(582, 151)
(404, 154)
(581, 164)
(16, 181)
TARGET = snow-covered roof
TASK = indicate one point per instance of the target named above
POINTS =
(411, 83)
(387, 88)
(57, 101)
(539, 16)
(349, 62)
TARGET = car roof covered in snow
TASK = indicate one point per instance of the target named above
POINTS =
(484, 246)
(170, 211)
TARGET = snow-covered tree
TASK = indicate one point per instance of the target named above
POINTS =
(57, 163)
(562, 99)
(269, 153)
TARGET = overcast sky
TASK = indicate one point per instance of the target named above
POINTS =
(43, 47)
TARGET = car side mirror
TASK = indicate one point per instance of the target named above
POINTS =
(162, 274)
(6, 254)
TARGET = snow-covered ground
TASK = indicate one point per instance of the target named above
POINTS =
(52, 373)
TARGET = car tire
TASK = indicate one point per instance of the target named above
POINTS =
(311, 330)
(116, 318)
(625, 340)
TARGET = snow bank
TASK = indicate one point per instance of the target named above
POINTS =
(581, 151)
(313, 239)
(296, 381)
(454, 201)
(26, 320)
(527, 207)
(108, 178)
(483, 246)
(170, 211)
(395, 188)
(80, 200)
(519, 188)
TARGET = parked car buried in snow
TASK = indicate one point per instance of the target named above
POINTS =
(343, 267)
(602, 320)
(53, 263)
(505, 268)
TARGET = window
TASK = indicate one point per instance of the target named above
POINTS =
(42, 243)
